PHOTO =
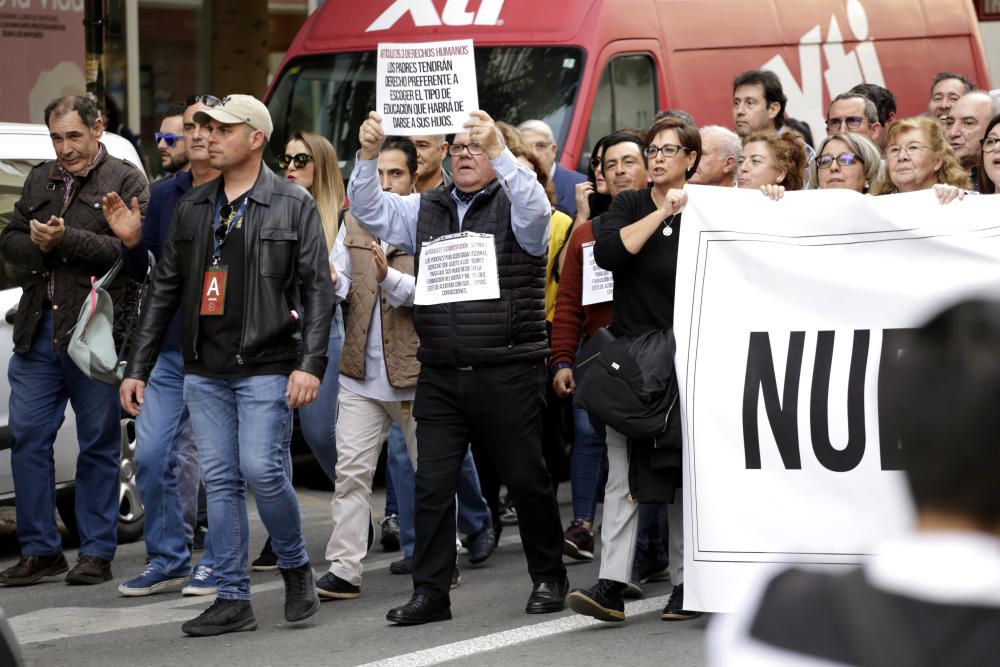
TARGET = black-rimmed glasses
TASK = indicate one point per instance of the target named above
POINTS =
(474, 148)
(300, 160)
(668, 150)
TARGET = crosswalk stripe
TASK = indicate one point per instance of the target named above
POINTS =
(507, 638)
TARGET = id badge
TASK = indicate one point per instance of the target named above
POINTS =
(213, 291)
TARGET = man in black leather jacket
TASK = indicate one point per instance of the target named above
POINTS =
(246, 265)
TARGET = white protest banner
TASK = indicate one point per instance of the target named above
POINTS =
(598, 283)
(427, 88)
(785, 312)
(457, 267)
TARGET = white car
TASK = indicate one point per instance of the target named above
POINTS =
(22, 146)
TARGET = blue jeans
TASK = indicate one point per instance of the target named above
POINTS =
(586, 465)
(649, 540)
(318, 420)
(400, 475)
(473, 512)
(160, 468)
(243, 428)
(41, 382)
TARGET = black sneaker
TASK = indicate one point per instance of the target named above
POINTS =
(199, 539)
(332, 587)
(222, 617)
(602, 601)
(481, 545)
(402, 566)
(390, 532)
(675, 611)
(32, 569)
(267, 561)
(301, 600)
(456, 577)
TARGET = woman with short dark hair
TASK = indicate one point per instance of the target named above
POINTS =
(637, 242)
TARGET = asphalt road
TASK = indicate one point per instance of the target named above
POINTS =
(68, 625)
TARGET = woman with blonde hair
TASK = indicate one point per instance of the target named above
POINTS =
(311, 161)
(918, 157)
(770, 159)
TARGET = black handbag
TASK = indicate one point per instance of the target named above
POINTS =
(629, 384)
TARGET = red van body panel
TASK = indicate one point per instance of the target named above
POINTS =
(818, 48)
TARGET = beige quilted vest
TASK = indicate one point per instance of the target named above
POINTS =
(399, 340)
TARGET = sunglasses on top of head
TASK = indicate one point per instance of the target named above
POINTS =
(207, 100)
(300, 160)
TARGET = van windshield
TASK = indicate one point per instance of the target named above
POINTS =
(332, 94)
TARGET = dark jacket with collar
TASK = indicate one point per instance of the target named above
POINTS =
(286, 270)
(163, 198)
(88, 249)
(564, 180)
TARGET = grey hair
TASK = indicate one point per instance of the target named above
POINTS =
(539, 126)
(731, 145)
(871, 111)
(861, 146)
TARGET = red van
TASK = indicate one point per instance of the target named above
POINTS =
(589, 66)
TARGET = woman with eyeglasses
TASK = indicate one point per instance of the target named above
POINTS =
(637, 242)
(846, 161)
(918, 158)
(988, 178)
(769, 160)
(311, 161)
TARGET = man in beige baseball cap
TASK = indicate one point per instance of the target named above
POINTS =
(241, 248)
(236, 109)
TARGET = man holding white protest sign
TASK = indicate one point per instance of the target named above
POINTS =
(482, 360)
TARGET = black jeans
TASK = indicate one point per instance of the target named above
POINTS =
(498, 409)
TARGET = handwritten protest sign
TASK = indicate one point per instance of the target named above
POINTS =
(427, 88)
(598, 283)
(457, 267)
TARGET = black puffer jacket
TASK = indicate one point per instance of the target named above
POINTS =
(89, 248)
(286, 269)
(487, 332)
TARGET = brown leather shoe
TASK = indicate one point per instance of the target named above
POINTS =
(32, 569)
(89, 570)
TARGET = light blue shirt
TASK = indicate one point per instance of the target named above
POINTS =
(393, 217)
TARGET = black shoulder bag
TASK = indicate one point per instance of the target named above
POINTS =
(629, 383)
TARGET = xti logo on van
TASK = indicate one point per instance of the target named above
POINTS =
(423, 13)
(844, 69)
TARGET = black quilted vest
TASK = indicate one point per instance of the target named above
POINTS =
(486, 332)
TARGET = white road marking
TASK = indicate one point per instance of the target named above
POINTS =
(499, 640)
(67, 622)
